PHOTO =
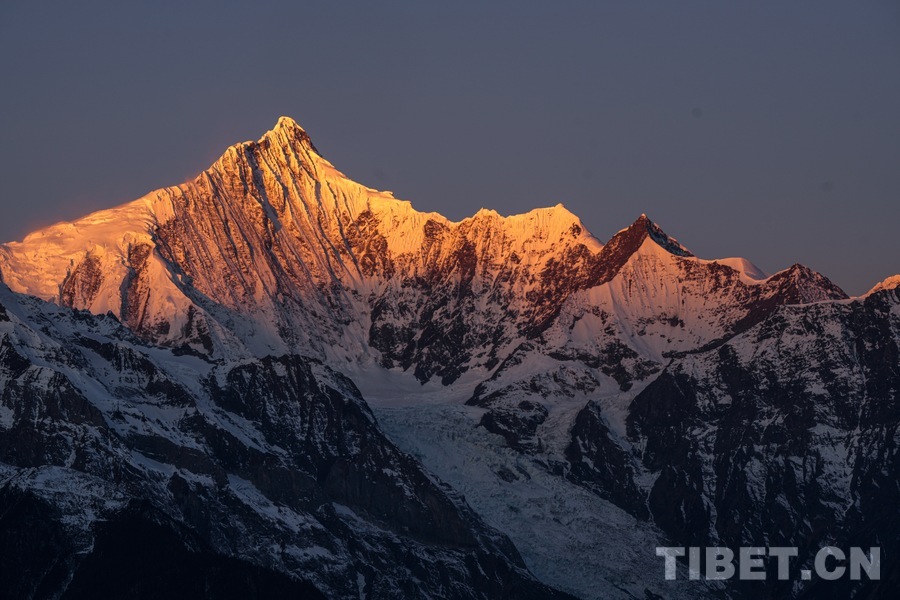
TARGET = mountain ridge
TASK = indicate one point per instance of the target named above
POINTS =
(272, 238)
(228, 350)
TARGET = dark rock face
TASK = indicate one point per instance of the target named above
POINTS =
(336, 440)
(796, 285)
(82, 283)
(602, 465)
(436, 320)
(136, 292)
(267, 478)
(37, 550)
(787, 434)
(519, 426)
(139, 553)
(517, 411)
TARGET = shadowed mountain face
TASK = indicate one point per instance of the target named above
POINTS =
(270, 472)
(193, 377)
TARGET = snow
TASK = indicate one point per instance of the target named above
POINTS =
(569, 537)
(38, 264)
(538, 230)
(649, 294)
(888, 284)
(750, 273)
(361, 585)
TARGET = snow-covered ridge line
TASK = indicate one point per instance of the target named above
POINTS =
(34, 264)
(272, 249)
(890, 283)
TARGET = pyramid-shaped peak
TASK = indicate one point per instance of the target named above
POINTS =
(662, 238)
(644, 227)
(287, 123)
(642, 221)
(286, 134)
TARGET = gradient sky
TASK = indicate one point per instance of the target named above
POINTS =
(765, 129)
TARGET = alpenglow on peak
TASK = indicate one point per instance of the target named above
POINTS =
(272, 248)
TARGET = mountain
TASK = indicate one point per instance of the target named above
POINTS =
(284, 375)
(888, 284)
(272, 470)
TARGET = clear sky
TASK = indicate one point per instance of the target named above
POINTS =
(764, 129)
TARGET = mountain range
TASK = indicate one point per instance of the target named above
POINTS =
(273, 381)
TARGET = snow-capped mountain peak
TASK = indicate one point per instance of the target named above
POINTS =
(286, 133)
(890, 283)
(655, 232)
(272, 248)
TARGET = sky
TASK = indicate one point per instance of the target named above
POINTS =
(765, 129)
